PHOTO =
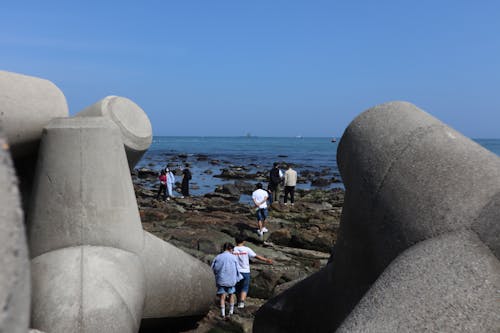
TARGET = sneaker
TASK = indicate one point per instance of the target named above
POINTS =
(241, 305)
(265, 230)
(260, 232)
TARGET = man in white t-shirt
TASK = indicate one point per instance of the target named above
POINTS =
(259, 197)
(244, 253)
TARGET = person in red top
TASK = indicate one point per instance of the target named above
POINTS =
(163, 185)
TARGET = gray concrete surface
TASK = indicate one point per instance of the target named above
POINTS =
(91, 260)
(134, 124)
(177, 284)
(14, 264)
(83, 192)
(87, 289)
(410, 180)
(445, 284)
(27, 104)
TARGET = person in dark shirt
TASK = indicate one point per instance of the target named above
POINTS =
(274, 182)
(186, 177)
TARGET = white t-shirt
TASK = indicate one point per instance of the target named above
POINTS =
(243, 254)
(260, 195)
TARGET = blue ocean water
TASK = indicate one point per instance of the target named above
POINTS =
(255, 153)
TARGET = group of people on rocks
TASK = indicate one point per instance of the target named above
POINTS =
(261, 197)
(232, 273)
(167, 181)
(232, 266)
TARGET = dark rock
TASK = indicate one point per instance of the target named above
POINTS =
(320, 182)
(228, 189)
(244, 187)
(147, 173)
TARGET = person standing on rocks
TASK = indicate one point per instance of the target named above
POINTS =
(259, 197)
(275, 176)
(244, 253)
(225, 268)
(163, 185)
(290, 183)
(185, 180)
(170, 182)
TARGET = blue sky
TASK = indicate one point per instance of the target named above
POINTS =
(269, 68)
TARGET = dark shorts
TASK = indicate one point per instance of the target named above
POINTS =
(243, 284)
(262, 214)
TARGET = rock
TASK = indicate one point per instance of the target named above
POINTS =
(244, 187)
(262, 283)
(320, 182)
(229, 189)
(281, 237)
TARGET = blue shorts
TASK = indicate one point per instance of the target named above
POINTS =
(244, 283)
(262, 214)
(225, 290)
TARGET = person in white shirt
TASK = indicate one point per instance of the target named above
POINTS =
(243, 254)
(290, 183)
(259, 197)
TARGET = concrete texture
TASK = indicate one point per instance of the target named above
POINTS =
(410, 181)
(134, 124)
(14, 264)
(91, 260)
(445, 284)
(177, 284)
(27, 104)
(87, 289)
(83, 192)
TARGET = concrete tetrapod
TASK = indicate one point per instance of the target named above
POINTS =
(134, 124)
(14, 272)
(92, 265)
(418, 193)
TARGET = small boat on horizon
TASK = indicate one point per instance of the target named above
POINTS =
(334, 140)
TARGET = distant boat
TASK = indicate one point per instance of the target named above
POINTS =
(299, 136)
(334, 140)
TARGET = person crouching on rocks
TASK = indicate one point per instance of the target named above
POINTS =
(225, 267)
(259, 197)
(163, 185)
(244, 253)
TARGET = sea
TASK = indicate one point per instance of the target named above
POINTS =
(207, 156)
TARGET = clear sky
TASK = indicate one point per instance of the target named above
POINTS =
(265, 67)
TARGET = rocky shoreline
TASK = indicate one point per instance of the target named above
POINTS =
(299, 240)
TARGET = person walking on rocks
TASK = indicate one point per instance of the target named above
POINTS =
(186, 177)
(225, 268)
(163, 185)
(259, 197)
(275, 175)
(244, 253)
(290, 183)
(170, 182)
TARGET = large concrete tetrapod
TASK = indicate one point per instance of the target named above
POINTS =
(93, 267)
(420, 218)
(134, 124)
(84, 231)
(14, 264)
